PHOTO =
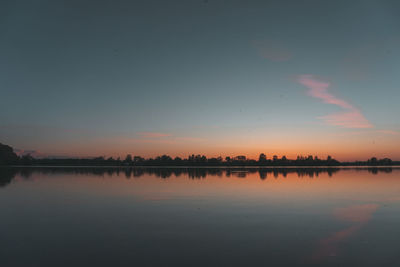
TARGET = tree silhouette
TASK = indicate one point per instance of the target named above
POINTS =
(7, 155)
(128, 159)
(262, 158)
(27, 159)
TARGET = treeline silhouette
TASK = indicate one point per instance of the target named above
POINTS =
(8, 157)
(192, 160)
(7, 174)
(201, 160)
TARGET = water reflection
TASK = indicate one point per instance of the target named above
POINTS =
(199, 216)
(7, 174)
(357, 216)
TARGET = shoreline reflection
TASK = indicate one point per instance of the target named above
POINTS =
(7, 174)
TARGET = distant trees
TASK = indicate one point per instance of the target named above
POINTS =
(240, 158)
(138, 159)
(201, 160)
(26, 160)
(299, 161)
(177, 159)
(197, 158)
(374, 161)
(215, 161)
(128, 159)
(7, 155)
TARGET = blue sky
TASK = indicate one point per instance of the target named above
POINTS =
(216, 77)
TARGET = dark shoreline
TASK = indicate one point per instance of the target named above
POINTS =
(9, 157)
(7, 173)
(208, 166)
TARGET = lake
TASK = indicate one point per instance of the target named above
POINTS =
(199, 216)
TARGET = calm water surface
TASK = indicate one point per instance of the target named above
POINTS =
(199, 217)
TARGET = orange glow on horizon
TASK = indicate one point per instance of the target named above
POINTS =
(343, 146)
(347, 153)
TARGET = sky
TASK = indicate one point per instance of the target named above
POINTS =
(90, 78)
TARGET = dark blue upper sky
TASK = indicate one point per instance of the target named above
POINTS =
(214, 77)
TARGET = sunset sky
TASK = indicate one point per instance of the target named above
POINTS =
(90, 78)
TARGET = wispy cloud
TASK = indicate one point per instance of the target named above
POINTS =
(350, 117)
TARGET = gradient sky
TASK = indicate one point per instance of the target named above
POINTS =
(89, 78)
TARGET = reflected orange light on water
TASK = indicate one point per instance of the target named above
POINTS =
(346, 200)
(299, 184)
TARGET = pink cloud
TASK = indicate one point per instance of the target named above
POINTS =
(319, 90)
(152, 134)
(351, 117)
